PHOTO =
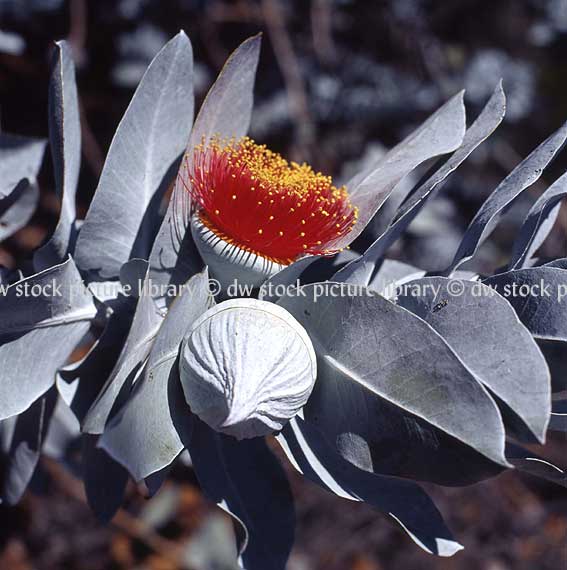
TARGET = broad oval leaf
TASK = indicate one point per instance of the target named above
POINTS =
(122, 219)
(485, 333)
(382, 369)
(559, 263)
(43, 318)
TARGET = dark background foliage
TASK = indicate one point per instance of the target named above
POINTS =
(338, 82)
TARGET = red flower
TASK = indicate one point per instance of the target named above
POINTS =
(256, 200)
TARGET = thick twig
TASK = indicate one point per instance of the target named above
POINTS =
(77, 36)
(289, 65)
(123, 520)
(321, 28)
(91, 149)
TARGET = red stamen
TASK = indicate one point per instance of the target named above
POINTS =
(256, 200)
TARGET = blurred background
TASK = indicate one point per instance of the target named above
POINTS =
(339, 82)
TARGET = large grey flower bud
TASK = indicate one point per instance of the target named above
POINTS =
(247, 367)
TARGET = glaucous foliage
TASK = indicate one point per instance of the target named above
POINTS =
(368, 388)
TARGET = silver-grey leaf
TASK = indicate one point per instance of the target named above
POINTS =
(17, 209)
(20, 158)
(484, 331)
(539, 296)
(143, 436)
(273, 288)
(227, 109)
(43, 318)
(538, 223)
(378, 363)
(488, 120)
(143, 158)
(225, 112)
(523, 176)
(65, 144)
(389, 276)
(441, 133)
(135, 350)
(559, 263)
(403, 501)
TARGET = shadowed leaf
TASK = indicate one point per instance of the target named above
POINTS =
(404, 501)
(538, 223)
(539, 296)
(65, 144)
(22, 438)
(247, 481)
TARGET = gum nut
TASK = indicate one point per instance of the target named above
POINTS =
(247, 367)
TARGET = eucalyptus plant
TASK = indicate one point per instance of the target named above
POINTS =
(212, 284)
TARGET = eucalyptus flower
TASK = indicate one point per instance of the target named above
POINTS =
(365, 392)
(256, 213)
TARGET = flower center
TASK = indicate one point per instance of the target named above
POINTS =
(255, 199)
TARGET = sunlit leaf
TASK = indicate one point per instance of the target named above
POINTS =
(43, 318)
(142, 160)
